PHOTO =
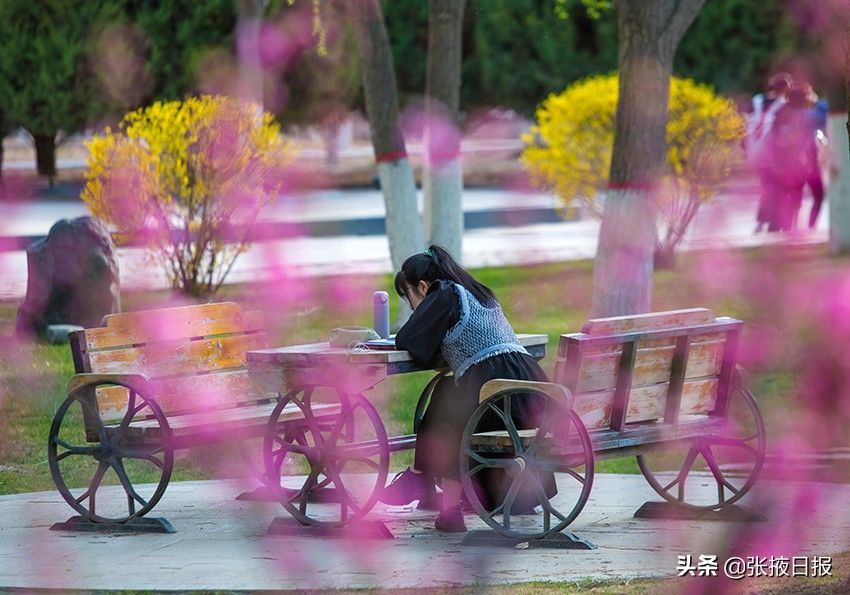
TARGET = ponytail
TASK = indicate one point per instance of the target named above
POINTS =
(437, 264)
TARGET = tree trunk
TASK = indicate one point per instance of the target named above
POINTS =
(404, 227)
(249, 14)
(45, 155)
(442, 179)
(649, 32)
(838, 192)
(330, 136)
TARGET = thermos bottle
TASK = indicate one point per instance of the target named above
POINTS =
(381, 313)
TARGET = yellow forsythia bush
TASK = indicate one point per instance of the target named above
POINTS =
(187, 179)
(568, 149)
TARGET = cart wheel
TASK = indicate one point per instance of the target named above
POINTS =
(138, 459)
(527, 459)
(731, 459)
(296, 433)
(425, 398)
(344, 448)
(251, 453)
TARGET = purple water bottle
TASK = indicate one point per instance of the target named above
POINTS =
(381, 313)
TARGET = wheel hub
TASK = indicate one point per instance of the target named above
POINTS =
(518, 465)
(103, 453)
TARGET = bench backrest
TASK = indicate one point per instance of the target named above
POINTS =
(631, 369)
(195, 356)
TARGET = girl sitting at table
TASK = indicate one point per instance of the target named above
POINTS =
(457, 323)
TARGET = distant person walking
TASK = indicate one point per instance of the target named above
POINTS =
(792, 144)
(759, 125)
(819, 158)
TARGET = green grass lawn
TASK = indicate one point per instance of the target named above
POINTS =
(551, 298)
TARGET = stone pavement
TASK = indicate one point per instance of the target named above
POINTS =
(221, 543)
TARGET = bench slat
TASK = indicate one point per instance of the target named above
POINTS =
(220, 416)
(186, 394)
(133, 328)
(645, 402)
(649, 321)
(644, 433)
(224, 422)
(652, 365)
(175, 358)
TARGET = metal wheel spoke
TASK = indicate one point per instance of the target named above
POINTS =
(279, 453)
(346, 499)
(308, 485)
(95, 416)
(715, 470)
(307, 451)
(576, 475)
(132, 411)
(475, 456)
(118, 467)
(686, 469)
(506, 405)
(540, 436)
(141, 455)
(344, 417)
(510, 427)
(335, 431)
(550, 465)
(74, 450)
(306, 408)
(94, 484)
(671, 484)
(364, 460)
(723, 441)
(302, 449)
(491, 513)
(543, 499)
(510, 498)
(475, 470)
(155, 461)
(134, 453)
(125, 421)
(490, 463)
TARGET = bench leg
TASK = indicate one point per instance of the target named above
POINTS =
(565, 540)
(136, 525)
(140, 463)
(672, 510)
(361, 529)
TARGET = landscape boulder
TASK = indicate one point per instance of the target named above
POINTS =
(72, 278)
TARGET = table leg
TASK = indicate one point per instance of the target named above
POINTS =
(343, 447)
(425, 398)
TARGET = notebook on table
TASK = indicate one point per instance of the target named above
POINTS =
(381, 344)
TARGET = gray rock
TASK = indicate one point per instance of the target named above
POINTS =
(72, 278)
(57, 334)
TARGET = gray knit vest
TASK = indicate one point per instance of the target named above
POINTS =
(480, 333)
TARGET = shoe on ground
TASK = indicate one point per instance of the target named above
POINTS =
(450, 521)
(408, 486)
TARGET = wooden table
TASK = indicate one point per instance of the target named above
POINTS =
(343, 450)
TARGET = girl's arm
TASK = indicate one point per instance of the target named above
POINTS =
(423, 333)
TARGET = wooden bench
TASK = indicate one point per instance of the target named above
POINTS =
(148, 384)
(662, 386)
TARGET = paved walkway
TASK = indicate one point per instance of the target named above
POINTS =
(725, 222)
(221, 543)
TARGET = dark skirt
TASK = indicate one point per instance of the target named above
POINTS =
(440, 433)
